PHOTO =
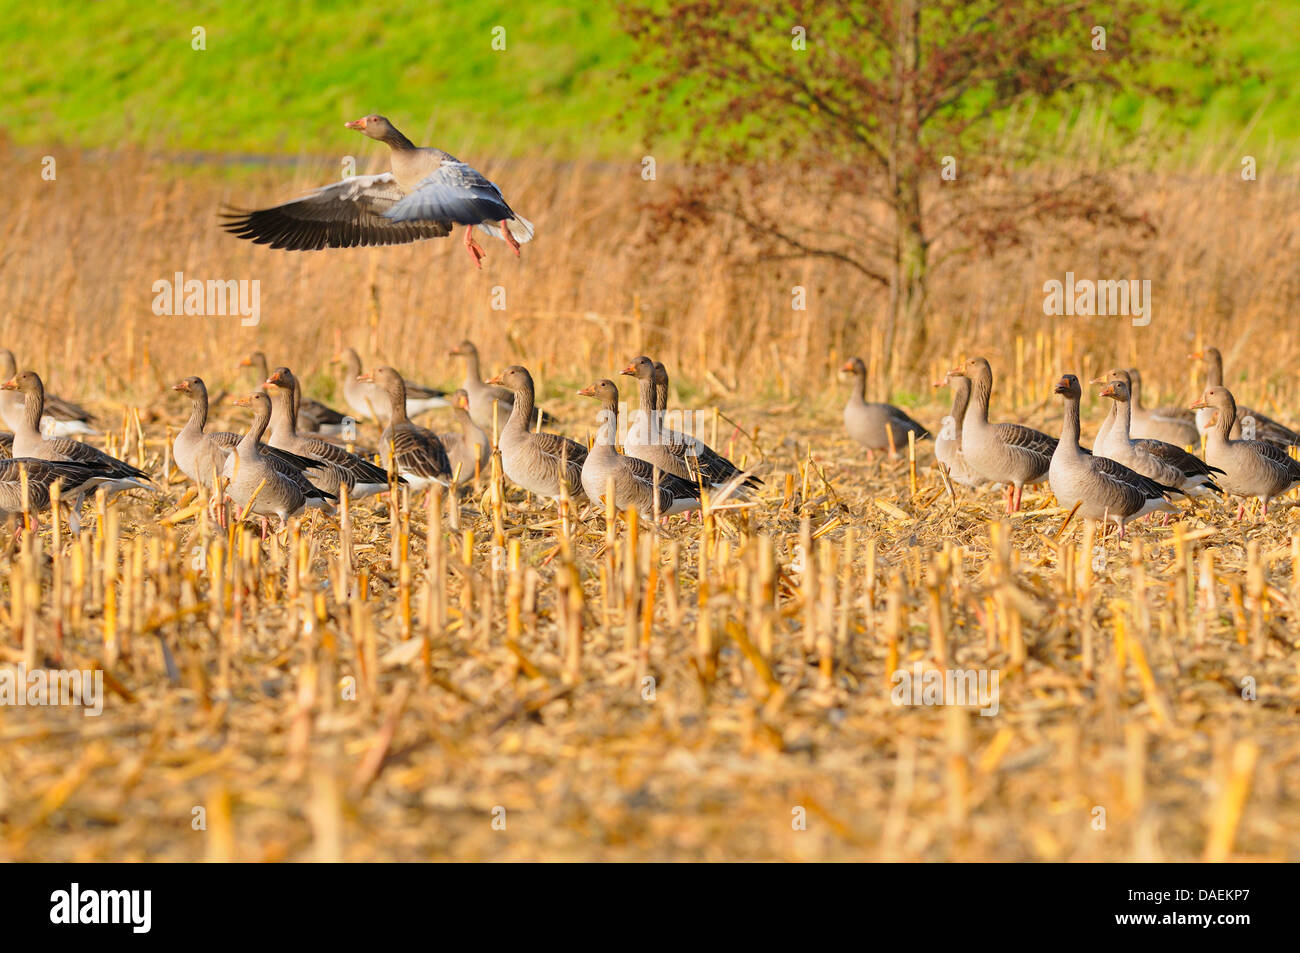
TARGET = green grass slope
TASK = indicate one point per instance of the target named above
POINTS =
(281, 77)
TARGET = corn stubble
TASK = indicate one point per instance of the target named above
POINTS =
(383, 683)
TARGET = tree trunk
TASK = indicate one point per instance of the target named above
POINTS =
(906, 335)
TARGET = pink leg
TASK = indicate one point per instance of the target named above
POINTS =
(474, 248)
(510, 239)
(1020, 491)
(1241, 512)
(1010, 490)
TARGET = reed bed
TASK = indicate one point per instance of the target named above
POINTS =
(480, 677)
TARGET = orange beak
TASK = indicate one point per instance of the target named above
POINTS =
(1200, 403)
(245, 362)
(1107, 391)
(1196, 355)
(630, 370)
(11, 384)
(588, 391)
(367, 378)
(848, 367)
(355, 124)
(181, 386)
(1098, 380)
(242, 401)
(493, 380)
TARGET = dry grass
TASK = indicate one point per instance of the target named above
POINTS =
(514, 678)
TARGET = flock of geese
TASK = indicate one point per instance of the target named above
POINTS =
(298, 453)
(1140, 460)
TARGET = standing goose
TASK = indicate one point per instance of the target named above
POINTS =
(62, 418)
(201, 454)
(699, 460)
(1161, 461)
(24, 418)
(875, 426)
(1258, 426)
(1250, 467)
(343, 469)
(410, 450)
(638, 485)
(469, 450)
(248, 472)
(367, 399)
(1101, 488)
(1173, 425)
(427, 192)
(1001, 453)
(41, 475)
(484, 395)
(540, 462)
(645, 438)
(312, 415)
(661, 388)
(947, 446)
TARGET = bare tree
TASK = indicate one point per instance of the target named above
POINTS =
(887, 118)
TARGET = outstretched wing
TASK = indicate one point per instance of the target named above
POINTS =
(454, 192)
(343, 215)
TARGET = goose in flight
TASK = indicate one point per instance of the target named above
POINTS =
(426, 194)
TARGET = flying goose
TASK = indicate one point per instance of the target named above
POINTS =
(1261, 427)
(412, 451)
(24, 417)
(343, 469)
(483, 395)
(427, 192)
(366, 398)
(638, 485)
(1250, 467)
(1161, 461)
(62, 418)
(1001, 453)
(201, 454)
(947, 446)
(875, 426)
(312, 415)
(536, 460)
(1101, 488)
